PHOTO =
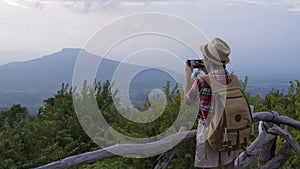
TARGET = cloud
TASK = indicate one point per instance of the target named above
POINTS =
(24, 3)
(294, 5)
(91, 5)
(295, 9)
(291, 5)
(78, 5)
(14, 3)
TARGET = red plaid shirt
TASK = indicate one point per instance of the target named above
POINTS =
(201, 90)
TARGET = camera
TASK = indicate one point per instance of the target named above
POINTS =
(197, 63)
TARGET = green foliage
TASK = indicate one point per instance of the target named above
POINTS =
(14, 117)
(286, 105)
(29, 141)
(140, 130)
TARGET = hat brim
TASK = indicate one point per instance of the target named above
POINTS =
(202, 49)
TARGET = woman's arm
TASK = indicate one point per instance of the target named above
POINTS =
(188, 79)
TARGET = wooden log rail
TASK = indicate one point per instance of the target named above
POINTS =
(267, 133)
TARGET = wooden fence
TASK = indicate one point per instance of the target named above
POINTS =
(262, 147)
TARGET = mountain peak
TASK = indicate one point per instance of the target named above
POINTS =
(66, 49)
(77, 50)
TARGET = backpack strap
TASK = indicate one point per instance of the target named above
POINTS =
(234, 81)
(216, 86)
(206, 78)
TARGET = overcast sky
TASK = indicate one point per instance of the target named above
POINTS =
(264, 35)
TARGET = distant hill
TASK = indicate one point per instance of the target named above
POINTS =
(30, 82)
(45, 73)
(3, 109)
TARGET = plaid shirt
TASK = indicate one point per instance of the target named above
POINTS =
(201, 90)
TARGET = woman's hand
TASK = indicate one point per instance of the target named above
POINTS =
(188, 69)
(188, 74)
(204, 70)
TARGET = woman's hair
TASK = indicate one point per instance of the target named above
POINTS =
(216, 66)
(212, 65)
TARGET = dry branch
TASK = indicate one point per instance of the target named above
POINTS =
(248, 156)
(134, 150)
(275, 118)
(267, 150)
(287, 136)
(165, 158)
(283, 155)
(77, 160)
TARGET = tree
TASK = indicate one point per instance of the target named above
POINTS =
(29, 141)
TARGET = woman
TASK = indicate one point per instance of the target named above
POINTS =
(215, 58)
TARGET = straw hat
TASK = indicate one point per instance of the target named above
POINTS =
(216, 51)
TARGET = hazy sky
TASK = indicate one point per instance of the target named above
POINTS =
(264, 35)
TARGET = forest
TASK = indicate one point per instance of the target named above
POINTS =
(30, 141)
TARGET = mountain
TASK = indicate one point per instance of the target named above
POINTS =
(46, 73)
(30, 82)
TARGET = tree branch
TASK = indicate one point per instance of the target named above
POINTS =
(287, 136)
(283, 155)
(267, 150)
(248, 156)
(165, 158)
(134, 150)
(275, 118)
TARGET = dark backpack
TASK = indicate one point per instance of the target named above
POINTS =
(230, 125)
